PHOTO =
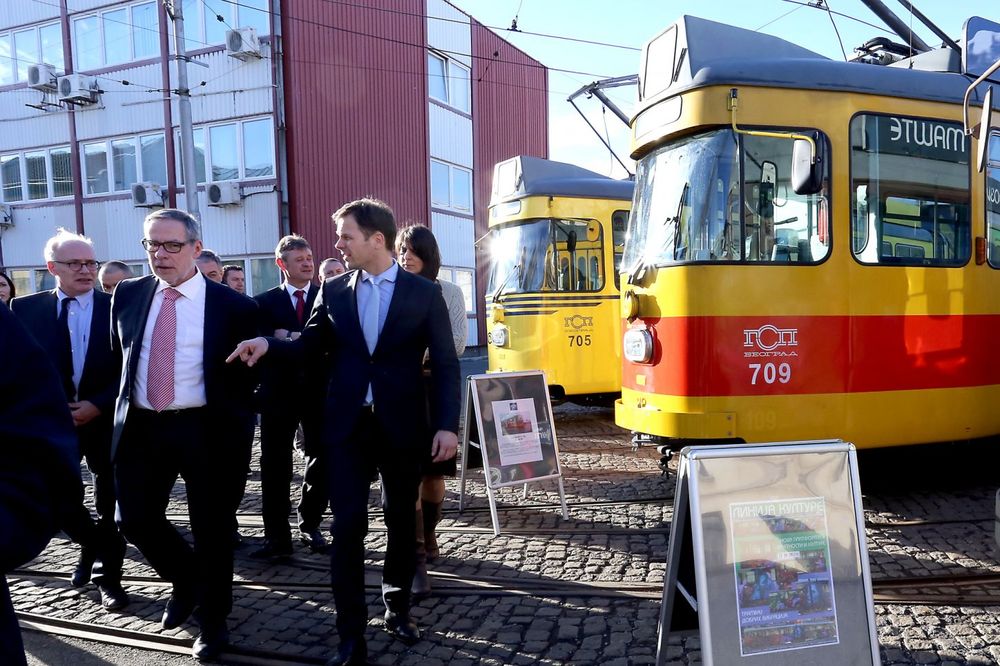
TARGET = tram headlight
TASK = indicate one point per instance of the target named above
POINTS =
(499, 335)
(637, 345)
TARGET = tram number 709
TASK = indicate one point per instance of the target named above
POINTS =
(770, 373)
(579, 340)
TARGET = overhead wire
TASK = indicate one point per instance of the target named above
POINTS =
(829, 13)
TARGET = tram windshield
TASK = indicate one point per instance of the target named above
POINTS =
(546, 255)
(723, 197)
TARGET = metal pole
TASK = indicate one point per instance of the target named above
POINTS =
(176, 12)
(916, 44)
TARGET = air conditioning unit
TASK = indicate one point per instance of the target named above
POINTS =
(147, 195)
(77, 89)
(226, 193)
(43, 77)
(6, 216)
(242, 43)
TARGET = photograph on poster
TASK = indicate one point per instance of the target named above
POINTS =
(784, 584)
(517, 431)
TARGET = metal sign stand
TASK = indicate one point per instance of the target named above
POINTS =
(767, 556)
(483, 394)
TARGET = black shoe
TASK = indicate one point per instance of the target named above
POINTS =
(315, 540)
(113, 597)
(211, 642)
(237, 540)
(402, 626)
(352, 652)
(272, 551)
(179, 608)
(81, 575)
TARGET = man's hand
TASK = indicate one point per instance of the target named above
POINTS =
(83, 412)
(445, 445)
(249, 351)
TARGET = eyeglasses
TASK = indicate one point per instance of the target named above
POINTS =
(77, 266)
(173, 247)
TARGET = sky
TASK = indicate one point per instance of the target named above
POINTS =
(630, 23)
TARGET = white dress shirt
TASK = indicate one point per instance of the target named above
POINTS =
(189, 357)
(79, 318)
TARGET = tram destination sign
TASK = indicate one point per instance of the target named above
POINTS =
(916, 137)
(767, 556)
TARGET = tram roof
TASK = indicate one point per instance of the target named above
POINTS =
(724, 54)
(542, 177)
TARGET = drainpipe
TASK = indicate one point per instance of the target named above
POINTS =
(74, 146)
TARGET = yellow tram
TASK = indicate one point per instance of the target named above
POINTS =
(811, 253)
(556, 238)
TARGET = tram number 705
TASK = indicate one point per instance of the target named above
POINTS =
(579, 340)
(770, 373)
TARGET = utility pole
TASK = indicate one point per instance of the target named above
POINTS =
(176, 12)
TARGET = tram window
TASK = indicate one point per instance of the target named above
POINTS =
(693, 206)
(993, 200)
(619, 227)
(910, 190)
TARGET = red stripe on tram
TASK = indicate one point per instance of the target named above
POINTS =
(722, 356)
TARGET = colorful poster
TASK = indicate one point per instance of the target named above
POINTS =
(784, 586)
(517, 431)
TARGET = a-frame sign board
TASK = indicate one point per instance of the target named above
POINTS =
(767, 557)
(508, 418)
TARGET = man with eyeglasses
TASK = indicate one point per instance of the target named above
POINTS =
(72, 323)
(180, 403)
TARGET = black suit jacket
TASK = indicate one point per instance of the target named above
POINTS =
(275, 311)
(230, 317)
(101, 367)
(417, 320)
(40, 472)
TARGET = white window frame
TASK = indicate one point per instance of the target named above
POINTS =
(450, 63)
(451, 205)
(447, 273)
(110, 162)
(240, 152)
(39, 56)
(100, 32)
(195, 27)
(23, 173)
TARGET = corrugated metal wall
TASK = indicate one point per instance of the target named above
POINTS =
(356, 109)
(510, 111)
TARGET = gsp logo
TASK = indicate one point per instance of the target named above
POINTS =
(768, 338)
(578, 322)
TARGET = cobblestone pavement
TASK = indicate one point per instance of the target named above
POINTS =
(564, 571)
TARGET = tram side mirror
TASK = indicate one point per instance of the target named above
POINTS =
(983, 135)
(807, 165)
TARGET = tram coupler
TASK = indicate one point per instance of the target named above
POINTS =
(662, 444)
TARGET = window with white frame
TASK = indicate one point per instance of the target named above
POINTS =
(43, 173)
(22, 48)
(114, 165)
(232, 151)
(448, 81)
(451, 186)
(202, 27)
(465, 279)
(116, 35)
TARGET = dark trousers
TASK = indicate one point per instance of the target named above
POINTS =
(352, 467)
(11, 648)
(100, 539)
(277, 434)
(154, 449)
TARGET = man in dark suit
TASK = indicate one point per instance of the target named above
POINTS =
(376, 322)
(40, 473)
(288, 398)
(72, 323)
(178, 407)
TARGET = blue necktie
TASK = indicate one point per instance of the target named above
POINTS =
(369, 323)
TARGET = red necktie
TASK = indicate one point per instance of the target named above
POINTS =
(160, 373)
(300, 306)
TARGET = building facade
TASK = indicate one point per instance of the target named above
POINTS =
(298, 106)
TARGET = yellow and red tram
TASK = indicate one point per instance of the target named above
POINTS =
(810, 252)
(557, 233)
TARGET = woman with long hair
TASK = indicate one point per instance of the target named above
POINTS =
(418, 253)
(6, 289)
